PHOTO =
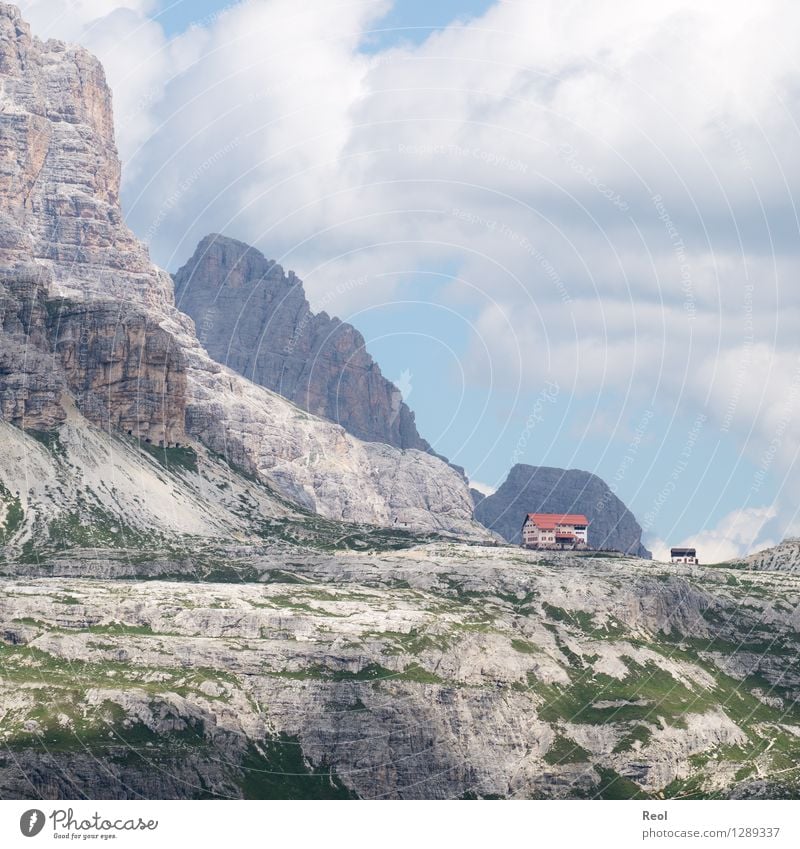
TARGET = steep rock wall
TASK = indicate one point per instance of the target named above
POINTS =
(253, 317)
(122, 369)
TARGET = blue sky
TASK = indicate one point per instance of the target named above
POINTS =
(411, 20)
(598, 195)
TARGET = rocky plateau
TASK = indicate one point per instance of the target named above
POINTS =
(439, 671)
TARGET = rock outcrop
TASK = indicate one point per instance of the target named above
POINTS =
(122, 370)
(784, 557)
(30, 388)
(59, 172)
(117, 344)
(542, 489)
(252, 316)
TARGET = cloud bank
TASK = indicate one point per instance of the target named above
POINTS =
(609, 187)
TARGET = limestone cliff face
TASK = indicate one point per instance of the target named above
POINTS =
(783, 557)
(100, 322)
(59, 172)
(122, 370)
(125, 371)
(30, 388)
(541, 489)
(253, 317)
(436, 673)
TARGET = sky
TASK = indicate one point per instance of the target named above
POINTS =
(566, 229)
(404, 21)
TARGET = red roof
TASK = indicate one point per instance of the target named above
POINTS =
(548, 521)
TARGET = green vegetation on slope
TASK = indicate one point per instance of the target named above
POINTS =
(275, 769)
(14, 515)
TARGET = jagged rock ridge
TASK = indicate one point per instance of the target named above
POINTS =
(255, 318)
(783, 557)
(542, 489)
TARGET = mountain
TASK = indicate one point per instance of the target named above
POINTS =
(88, 320)
(784, 557)
(255, 318)
(542, 489)
(90, 502)
(59, 178)
(177, 620)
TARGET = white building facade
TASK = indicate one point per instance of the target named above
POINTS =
(683, 555)
(555, 530)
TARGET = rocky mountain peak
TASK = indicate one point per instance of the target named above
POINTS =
(60, 174)
(783, 557)
(16, 35)
(534, 489)
(254, 317)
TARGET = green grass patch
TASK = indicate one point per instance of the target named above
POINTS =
(90, 526)
(184, 457)
(276, 769)
(565, 751)
(639, 734)
(14, 517)
(583, 621)
(413, 642)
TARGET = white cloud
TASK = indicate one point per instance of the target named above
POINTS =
(485, 488)
(606, 179)
(736, 535)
